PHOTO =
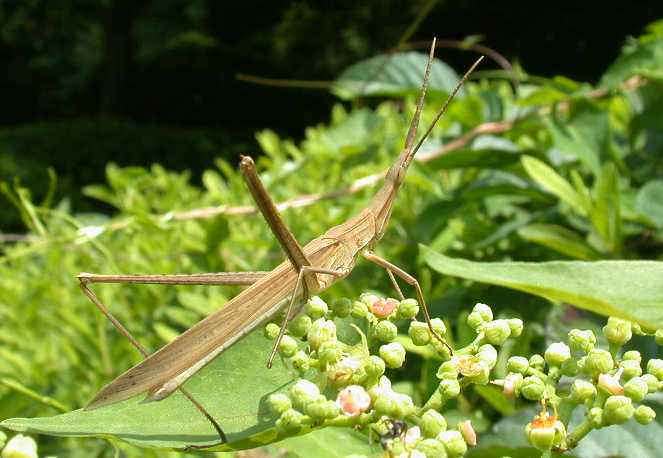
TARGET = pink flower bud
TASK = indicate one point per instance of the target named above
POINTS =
(383, 307)
(610, 383)
(353, 400)
(466, 429)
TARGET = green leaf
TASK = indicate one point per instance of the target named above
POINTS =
(649, 201)
(605, 215)
(232, 388)
(559, 239)
(394, 74)
(554, 183)
(496, 398)
(644, 59)
(330, 443)
(627, 289)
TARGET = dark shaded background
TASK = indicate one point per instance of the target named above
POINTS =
(85, 82)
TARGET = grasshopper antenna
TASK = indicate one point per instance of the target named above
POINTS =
(446, 103)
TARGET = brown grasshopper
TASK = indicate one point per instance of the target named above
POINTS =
(308, 270)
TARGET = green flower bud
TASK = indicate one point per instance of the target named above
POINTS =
(278, 403)
(636, 389)
(517, 364)
(300, 326)
(644, 415)
(359, 376)
(316, 308)
(497, 331)
(407, 309)
(431, 447)
(545, 431)
(287, 346)
(331, 410)
(655, 368)
(632, 355)
(484, 311)
(20, 446)
(583, 391)
(631, 368)
(474, 320)
(582, 341)
(598, 362)
(653, 384)
(617, 410)
(303, 392)
(540, 438)
(448, 370)
(272, 331)
(359, 310)
(289, 422)
(532, 388)
(488, 354)
(393, 354)
(321, 331)
(330, 352)
(342, 307)
(419, 333)
(595, 416)
(659, 336)
(438, 327)
(385, 331)
(300, 361)
(516, 326)
(3, 439)
(432, 423)
(449, 389)
(454, 443)
(375, 367)
(617, 331)
(317, 409)
(557, 353)
(536, 361)
(385, 406)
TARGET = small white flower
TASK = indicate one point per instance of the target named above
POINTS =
(20, 446)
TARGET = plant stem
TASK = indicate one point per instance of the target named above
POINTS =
(578, 433)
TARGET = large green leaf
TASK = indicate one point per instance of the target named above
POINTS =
(232, 389)
(393, 75)
(629, 289)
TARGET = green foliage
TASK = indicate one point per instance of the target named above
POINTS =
(577, 180)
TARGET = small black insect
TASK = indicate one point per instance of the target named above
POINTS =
(396, 430)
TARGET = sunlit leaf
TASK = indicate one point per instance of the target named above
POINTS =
(629, 289)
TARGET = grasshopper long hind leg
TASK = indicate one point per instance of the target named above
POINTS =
(409, 279)
(216, 278)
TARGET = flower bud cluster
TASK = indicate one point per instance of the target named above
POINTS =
(344, 384)
(608, 384)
